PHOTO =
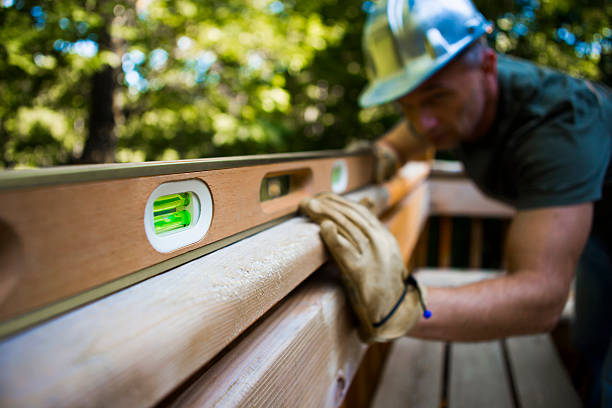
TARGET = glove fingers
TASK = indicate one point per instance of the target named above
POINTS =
(367, 221)
(358, 212)
(320, 210)
(341, 249)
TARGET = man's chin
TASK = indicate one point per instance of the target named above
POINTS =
(444, 143)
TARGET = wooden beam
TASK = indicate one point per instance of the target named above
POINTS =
(422, 250)
(151, 336)
(367, 378)
(447, 169)
(461, 197)
(300, 355)
(135, 346)
(409, 177)
(453, 277)
(406, 221)
(476, 242)
(304, 354)
(445, 243)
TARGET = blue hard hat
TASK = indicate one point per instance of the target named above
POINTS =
(407, 41)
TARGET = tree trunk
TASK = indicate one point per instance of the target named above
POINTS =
(4, 162)
(101, 138)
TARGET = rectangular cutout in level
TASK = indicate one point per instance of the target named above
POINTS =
(274, 187)
(171, 212)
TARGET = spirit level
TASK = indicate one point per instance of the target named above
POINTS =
(86, 231)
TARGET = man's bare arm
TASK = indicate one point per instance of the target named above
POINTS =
(404, 141)
(543, 249)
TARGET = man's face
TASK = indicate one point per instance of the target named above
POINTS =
(448, 107)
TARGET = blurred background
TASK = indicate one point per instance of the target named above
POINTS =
(127, 81)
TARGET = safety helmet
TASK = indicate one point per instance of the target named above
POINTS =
(407, 41)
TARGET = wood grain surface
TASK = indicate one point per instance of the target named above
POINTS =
(541, 380)
(412, 376)
(303, 355)
(478, 377)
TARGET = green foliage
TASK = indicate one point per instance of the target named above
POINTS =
(214, 78)
(569, 35)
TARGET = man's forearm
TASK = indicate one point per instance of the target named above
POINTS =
(404, 142)
(505, 306)
(543, 248)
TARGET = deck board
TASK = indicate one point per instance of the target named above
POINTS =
(413, 375)
(541, 380)
(478, 377)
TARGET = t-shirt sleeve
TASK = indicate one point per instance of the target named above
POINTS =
(561, 163)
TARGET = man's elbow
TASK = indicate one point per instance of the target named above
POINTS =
(550, 322)
(549, 311)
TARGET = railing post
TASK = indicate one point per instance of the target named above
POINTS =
(445, 244)
(476, 244)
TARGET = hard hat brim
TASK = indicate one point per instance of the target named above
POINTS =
(392, 88)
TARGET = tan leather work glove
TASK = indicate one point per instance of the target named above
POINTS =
(384, 296)
(386, 161)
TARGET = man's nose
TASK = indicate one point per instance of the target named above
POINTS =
(427, 121)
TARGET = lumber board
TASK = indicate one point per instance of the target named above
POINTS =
(79, 236)
(135, 346)
(476, 243)
(299, 356)
(445, 242)
(407, 220)
(412, 376)
(410, 176)
(304, 354)
(366, 379)
(447, 168)
(453, 277)
(540, 378)
(461, 197)
(478, 377)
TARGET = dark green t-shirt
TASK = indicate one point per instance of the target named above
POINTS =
(551, 141)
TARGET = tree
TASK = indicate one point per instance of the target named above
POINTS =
(141, 80)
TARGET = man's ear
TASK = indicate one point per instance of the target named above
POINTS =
(489, 62)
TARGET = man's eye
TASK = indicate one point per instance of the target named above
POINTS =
(437, 97)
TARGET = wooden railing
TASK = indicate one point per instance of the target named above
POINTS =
(261, 322)
(456, 227)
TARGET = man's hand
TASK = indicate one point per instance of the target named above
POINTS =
(372, 268)
(386, 161)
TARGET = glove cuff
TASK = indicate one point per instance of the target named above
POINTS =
(402, 317)
(409, 281)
